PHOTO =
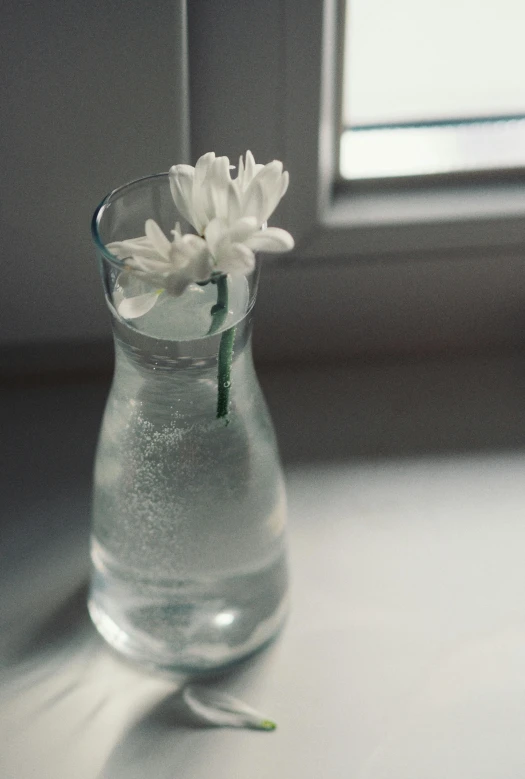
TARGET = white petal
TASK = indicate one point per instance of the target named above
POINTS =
(274, 194)
(133, 246)
(224, 164)
(202, 205)
(220, 171)
(181, 185)
(273, 170)
(242, 229)
(270, 176)
(233, 212)
(219, 198)
(285, 180)
(251, 170)
(219, 185)
(200, 267)
(202, 209)
(154, 264)
(131, 308)
(181, 252)
(193, 243)
(240, 174)
(215, 231)
(236, 258)
(218, 708)
(270, 181)
(202, 169)
(254, 202)
(273, 239)
(157, 238)
(191, 248)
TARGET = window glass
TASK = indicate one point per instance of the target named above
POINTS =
(452, 70)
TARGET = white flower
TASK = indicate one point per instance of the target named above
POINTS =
(208, 192)
(168, 265)
(229, 216)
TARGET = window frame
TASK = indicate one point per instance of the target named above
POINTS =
(331, 216)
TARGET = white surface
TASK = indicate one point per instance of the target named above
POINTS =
(404, 656)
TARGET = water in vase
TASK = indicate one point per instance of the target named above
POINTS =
(188, 545)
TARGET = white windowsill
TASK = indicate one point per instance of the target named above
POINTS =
(423, 219)
(431, 204)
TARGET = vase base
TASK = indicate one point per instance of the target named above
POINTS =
(187, 625)
(193, 660)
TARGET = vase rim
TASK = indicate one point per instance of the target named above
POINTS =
(99, 212)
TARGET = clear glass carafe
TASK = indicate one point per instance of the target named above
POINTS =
(188, 543)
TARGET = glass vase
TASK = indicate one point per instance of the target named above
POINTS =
(188, 541)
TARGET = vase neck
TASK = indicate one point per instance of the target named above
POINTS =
(161, 356)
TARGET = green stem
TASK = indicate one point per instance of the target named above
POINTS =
(219, 311)
(224, 372)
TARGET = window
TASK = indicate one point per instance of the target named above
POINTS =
(414, 264)
(432, 87)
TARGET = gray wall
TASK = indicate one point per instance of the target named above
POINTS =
(90, 97)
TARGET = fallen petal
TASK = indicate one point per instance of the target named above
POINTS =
(222, 710)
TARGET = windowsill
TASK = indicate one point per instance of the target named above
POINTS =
(379, 219)
(425, 204)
